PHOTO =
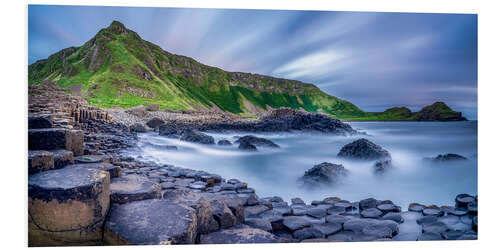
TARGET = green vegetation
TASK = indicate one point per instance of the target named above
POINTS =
(117, 68)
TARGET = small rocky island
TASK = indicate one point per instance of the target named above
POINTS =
(83, 191)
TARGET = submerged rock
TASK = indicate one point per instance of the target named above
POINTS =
(224, 143)
(324, 173)
(196, 137)
(247, 146)
(382, 166)
(363, 149)
(257, 141)
(446, 158)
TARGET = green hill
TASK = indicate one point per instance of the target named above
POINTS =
(117, 67)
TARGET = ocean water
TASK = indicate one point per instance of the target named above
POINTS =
(276, 171)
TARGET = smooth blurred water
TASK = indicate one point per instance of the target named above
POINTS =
(275, 171)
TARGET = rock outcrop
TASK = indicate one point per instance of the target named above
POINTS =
(257, 141)
(446, 158)
(363, 149)
(324, 173)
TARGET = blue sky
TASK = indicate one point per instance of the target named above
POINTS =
(375, 60)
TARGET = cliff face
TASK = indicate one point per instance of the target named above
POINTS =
(117, 67)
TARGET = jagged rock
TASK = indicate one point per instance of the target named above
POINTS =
(324, 173)
(196, 137)
(446, 158)
(259, 223)
(171, 130)
(39, 161)
(63, 158)
(222, 214)
(238, 235)
(257, 141)
(138, 128)
(363, 149)
(67, 207)
(150, 222)
(36, 121)
(139, 111)
(114, 171)
(153, 107)
(247, 146)
(293, 223)
(224, 143)
(131, 188)
(155, 122)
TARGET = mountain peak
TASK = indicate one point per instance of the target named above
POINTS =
(117, 27)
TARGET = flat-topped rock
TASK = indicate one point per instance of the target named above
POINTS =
(62, 158)
(363, 149)
(93, 159)
(56, 138)
(255, 210)
(328, 228)
(67, 206)
(114, 171)
(39, 161)
(259, 223)
(131, 188)
(415, 207)
(150, 222)
(240, 234)
(371, 213)
(293, 223)
(462, 200)
(37, 121)
(307, 233)
(257, 141)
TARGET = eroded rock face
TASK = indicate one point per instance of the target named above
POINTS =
(151, 222)
(39, 161)
(67, 207)
(363, 149)
(196, 137)
(324, 173)
(239, 234)
(257, 141)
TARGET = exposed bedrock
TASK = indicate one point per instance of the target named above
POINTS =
(67, 206)
(56, 138)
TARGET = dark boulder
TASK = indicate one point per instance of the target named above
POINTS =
(196, 137)
(155, 122)
(224, 143)
(150, 222)
(446, 158)
(381, 166)
(138, 128)
(40, 121)
(170, 130)
(308, 233)
(363, 149)
(247, 146)
(293, 223)
(257, 141)
(324, 173)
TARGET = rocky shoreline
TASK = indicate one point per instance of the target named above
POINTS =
(83, 191)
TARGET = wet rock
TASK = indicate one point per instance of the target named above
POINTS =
(371, 213)
(468, 237)
(427, 220)
(328, 228)
(67, 207)
(363, 149)
(224, 143)
(293, 223)
(297, 201)
(463, 200)
(241, 234)
(247, 146)
(433, 211)
(282, 207)
(150, 222)
(138, 128)
(131, 188)
(382, 166)
(340, 219)
(307, 233)
(388, 208)
(336, 210)
(114, 171)
(452, 234)
(394, 216)
(299, 210)
(155, 123)
(39, 161)
(93, 159)
(63, 158)
(259, 223)
(367, 203)
(196, 137)
(257, 141)
(167, 185)
(171, 130)
(316, 212)
(324, 173)
(252, 211)
(415, 207)
(198, 185)
(377, 230)
(435, 227)
(474, 223)
(472, 208)
(427, 236)
(446, 158)
(357, 225)
(36, 121)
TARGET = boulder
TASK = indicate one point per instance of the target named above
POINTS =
(297, 201)
(367, 203)
(363, 149)
(150, 222)
(39, 161)
(155, 122)
(240, 234)
(196, 137)
(67, 207)
(153, 107)
(36, 121)
(132, 188)
(394, 216)
(257, 141)
(224, 143)
(62, 158)
(171, 130)
(138, 128)
(324, 173)
(114, 171)
(427, 236)
(247, 146)
(139, 111)
(252, 211)
(222, 214)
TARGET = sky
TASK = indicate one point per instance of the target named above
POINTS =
(375, 60)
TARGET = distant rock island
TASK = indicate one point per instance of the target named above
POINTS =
(117, 68)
